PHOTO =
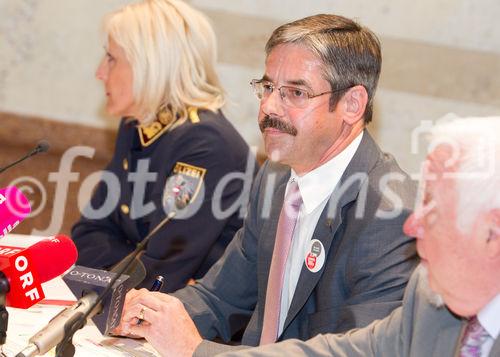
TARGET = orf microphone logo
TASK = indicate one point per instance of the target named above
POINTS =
(25, 285)
(26, 278)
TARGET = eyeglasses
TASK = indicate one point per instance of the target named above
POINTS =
(291, 96)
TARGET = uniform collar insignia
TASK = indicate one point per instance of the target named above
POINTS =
(148, 134)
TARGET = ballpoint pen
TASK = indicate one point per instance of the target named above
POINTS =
(157, 284)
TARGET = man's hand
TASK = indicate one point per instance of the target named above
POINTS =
(166, 326)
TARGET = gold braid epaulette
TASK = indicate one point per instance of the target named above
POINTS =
(148, 134)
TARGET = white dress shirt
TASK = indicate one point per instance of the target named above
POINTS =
(489, 318)
(315, 187)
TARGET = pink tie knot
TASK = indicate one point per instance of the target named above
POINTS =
(293, 200)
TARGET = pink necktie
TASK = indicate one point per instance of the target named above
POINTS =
(474, 337)
(284, 233)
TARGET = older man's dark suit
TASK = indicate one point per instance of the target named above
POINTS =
(368, 259)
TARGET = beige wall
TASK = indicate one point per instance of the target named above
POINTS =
(439, 57)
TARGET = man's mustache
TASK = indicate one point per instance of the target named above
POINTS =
(275, 123)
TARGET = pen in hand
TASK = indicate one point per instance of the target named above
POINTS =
(157, 285)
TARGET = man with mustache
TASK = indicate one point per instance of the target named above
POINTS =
(322, 249)
(452, 303)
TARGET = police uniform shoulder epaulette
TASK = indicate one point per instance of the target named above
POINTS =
(148, 134)
(193, 115)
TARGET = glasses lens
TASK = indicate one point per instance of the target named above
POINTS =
(257, 87)
(295, 97)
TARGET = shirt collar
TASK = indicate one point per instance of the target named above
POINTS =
(318, 184)
(488, 317)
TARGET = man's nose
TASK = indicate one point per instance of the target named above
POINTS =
(413, 226)
(273, 104)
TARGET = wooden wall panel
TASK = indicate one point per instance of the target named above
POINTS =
(19, 134)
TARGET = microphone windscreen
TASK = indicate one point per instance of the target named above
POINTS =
(43, 146)
(14, 207)
(53, 256)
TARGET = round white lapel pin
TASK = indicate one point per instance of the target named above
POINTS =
(315, 256)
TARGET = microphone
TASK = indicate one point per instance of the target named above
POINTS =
(42, 146)
(26, 268)
(82, 281)
(60, 330)
(14, 207)
(89, 284)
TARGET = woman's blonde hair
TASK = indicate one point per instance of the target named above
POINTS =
(172, 50)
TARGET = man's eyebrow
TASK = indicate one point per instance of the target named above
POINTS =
(298, 82)
(293, 82)
(266, 78)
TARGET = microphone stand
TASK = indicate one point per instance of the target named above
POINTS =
(41, 147)
(65, 348)
(4, 315)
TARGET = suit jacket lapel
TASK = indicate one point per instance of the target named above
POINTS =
(448, 338)
(324, 232)
(455, 332)
(345, 192)
(495, 350)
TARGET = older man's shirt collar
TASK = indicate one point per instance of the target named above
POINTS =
(488, 317)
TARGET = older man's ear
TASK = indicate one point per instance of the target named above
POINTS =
(493, 241)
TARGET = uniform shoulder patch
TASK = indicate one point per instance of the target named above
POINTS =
(182, 186)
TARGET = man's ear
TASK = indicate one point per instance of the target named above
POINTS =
(354, 104)
(493, 242)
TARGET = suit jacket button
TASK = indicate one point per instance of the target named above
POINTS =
(125, 209)
(125, 164)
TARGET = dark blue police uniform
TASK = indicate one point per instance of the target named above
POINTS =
(186, 162)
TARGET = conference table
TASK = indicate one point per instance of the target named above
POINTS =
(24, 323)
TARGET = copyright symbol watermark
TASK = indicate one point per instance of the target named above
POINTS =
(33, 188)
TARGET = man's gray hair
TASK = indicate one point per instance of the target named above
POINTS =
(350, 52)
(475, 145)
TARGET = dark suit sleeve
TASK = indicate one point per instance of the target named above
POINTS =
(391, 336)
(222, 302)
(379, 339)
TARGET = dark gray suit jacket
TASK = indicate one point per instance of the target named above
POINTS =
(368, 258)
(416, 329)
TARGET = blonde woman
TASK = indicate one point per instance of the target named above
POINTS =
(174, 145)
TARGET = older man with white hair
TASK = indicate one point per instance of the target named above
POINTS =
(452, 303)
